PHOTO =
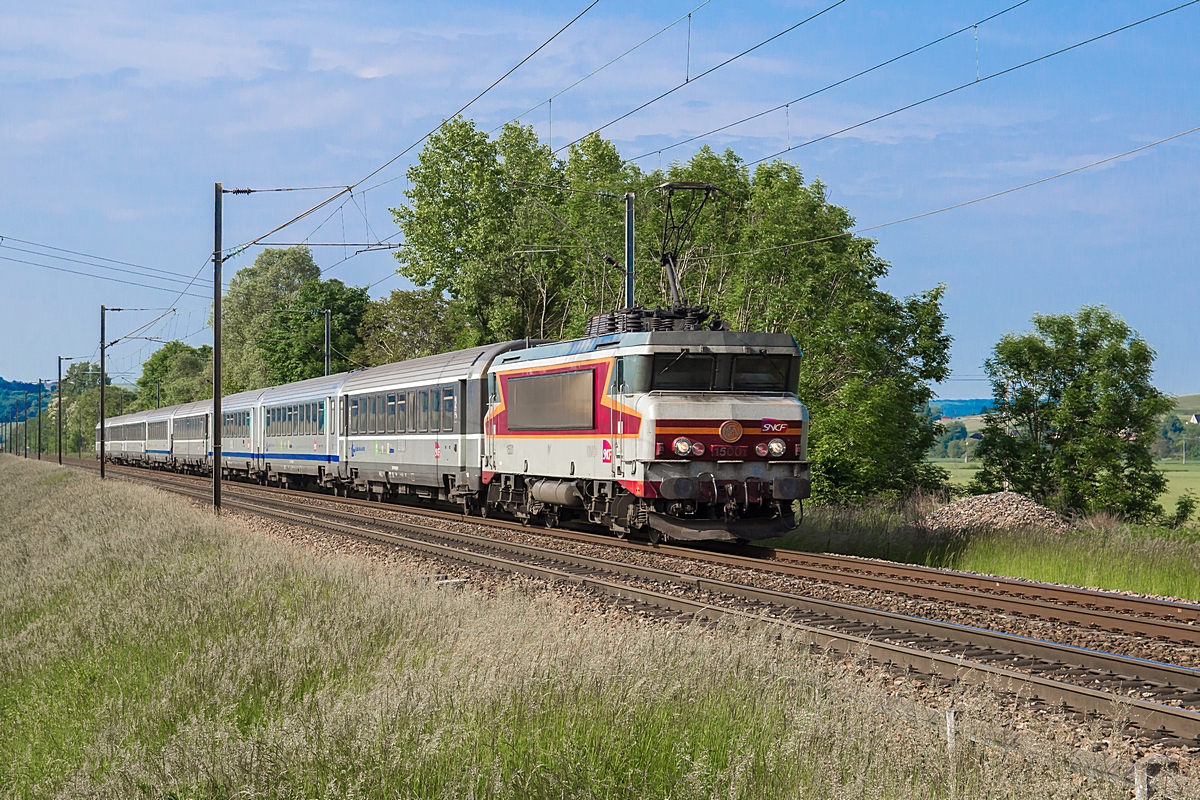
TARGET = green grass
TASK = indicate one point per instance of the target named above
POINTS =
(152, 650)
(1102, 552)
(1187, 404)
(1180, 477)
(961, 472)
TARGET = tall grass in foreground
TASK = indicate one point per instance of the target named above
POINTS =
(149, 649)
(1100, 552)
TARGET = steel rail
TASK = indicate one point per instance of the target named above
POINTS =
(860, 628)
(1099, 599)
(1089, 608)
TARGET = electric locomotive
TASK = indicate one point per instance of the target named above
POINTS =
(683, 434)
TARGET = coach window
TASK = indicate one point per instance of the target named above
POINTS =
(321, 418)
(435, 404)
(391, 414)
(308, 418)
(312, 418)
(412, 412)
(353, 415)
(400, 418)
(380, 414)
(447, 409)
(423, 421)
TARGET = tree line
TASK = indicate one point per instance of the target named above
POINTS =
(504, 240)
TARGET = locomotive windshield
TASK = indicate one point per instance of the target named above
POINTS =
(696, 372)
(761, 373)
(681, 371)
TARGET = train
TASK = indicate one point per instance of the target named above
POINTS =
(668, 434)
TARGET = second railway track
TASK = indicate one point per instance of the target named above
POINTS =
(1162, 700)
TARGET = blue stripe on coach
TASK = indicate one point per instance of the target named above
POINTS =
(280, 456)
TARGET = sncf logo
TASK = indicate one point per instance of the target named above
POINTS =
(774, 426)
(606, 451)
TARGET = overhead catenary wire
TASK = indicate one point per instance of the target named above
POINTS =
(963, 204)
(833, 85)
(976, 82)
(431, 132)
(97, 266)
(97, 277)
(612, 262)
(706, 72)
(606, 65)
(90, 256)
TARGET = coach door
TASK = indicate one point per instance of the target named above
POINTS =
(489, 422)
(443, 418)
(613, 448)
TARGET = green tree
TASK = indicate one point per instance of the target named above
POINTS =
(292, 345)
(480, 227)
(1075, 416)
(409, 323)
(185, 372)
(248, 307)
(488, 225)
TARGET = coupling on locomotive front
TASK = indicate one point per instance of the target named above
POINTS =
(682, 434)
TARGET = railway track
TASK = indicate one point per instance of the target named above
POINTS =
(1161, 700)
(1163, 620)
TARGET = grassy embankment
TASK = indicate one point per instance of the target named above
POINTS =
(1102, 553)
(1105, 553)
(150, 649)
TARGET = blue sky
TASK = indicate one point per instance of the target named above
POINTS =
(116, 119)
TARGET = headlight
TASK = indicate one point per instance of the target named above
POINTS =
(682, 446)
(776, 447)
(761, 449)
(697, 448)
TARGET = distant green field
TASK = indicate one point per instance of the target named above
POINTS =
(960, 473)
(1180, 478)
(1187, 404)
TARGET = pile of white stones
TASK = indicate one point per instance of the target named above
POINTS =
(1002, 510)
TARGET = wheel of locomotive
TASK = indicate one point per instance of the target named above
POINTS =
(655, 536)
(551, 520)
